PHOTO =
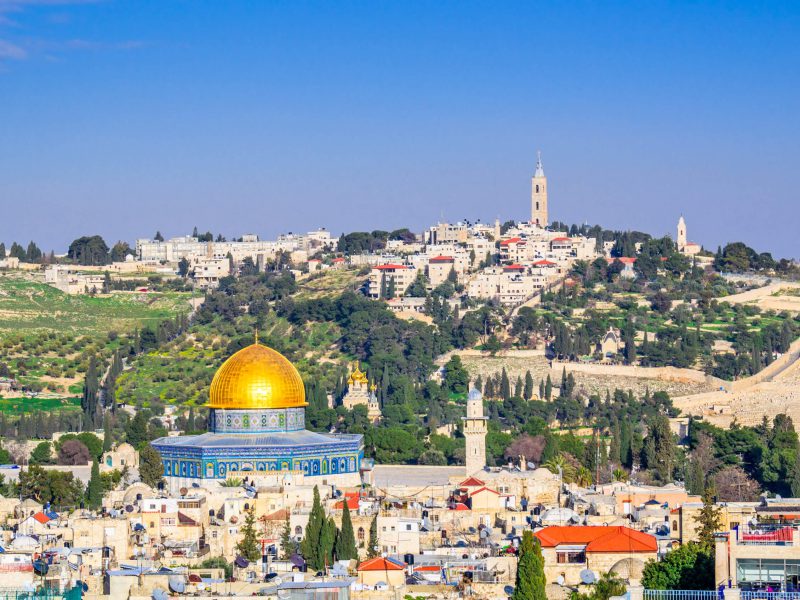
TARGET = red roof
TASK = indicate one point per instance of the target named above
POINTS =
(352, 502)
(428, 568)
(380, 564)
(625, 260)
(484, 489)
(562, 239)
(598, 538)
(460, 506)
(472, 482)
(42, 518)
(545, 263)
(443, 259)
(339, 259)
(382, 267)
(514, 267)
(514, 240)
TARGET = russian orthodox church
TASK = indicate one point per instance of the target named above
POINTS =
(359, 391)
(256, 427)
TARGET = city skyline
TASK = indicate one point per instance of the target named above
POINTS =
(291, 117)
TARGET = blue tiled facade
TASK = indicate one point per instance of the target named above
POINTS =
(259, 441)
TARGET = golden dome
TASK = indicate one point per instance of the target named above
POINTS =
(257, 377)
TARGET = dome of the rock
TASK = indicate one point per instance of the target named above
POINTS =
(257, 377)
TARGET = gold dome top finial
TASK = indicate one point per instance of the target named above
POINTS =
(257, 377)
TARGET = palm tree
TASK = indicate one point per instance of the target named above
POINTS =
(583, 477)
(559, 463)
(232, 482)
(619, 474)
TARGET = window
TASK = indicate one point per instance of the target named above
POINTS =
(674, 526)
(537, 204)
(298, 530)
(408, 526)
(571, 558)
(537, 191)
(361, 534)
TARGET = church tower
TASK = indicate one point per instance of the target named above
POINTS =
(539, 195)
(681, 234)
(475, 427)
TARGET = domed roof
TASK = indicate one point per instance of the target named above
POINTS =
(257, 377)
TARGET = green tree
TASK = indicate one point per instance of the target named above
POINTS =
(248, 545)
(548, 388)
(372, 543)
(183, 267)
(456, 377)
(310, 546)
(89, 250)
(94, 491)
(346, 541)
(42, 454)
(288, 544)
(151, 466)
(327, 543)
(709, 521)
(530, 582)
(608, 586)
(527, 392)
(688, 567)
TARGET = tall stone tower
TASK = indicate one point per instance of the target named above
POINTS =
(681, 234)
(539, 195)
(475, 427)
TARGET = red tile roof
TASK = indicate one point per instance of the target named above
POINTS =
(545, 263)
(460, 506)
(339, 259)
(352, 502)
(484, 489)
(380, 564)
(514, 267)
(42, 518)
(598, 538)
(562, 239)
(514, 240)
(472, 482)
(442, 259)
(625, 260)
(382, 267)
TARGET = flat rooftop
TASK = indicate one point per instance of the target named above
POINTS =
(415, 475)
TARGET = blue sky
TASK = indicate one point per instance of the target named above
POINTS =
(121, 118)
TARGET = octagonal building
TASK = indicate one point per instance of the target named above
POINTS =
(257, 426)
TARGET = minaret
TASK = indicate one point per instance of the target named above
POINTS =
(681, 234)
(539, 195)
(475, 433)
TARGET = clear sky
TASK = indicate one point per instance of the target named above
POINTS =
(121, 118)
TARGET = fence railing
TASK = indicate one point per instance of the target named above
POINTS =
(765, 595)
(681, 595)
(765, 535)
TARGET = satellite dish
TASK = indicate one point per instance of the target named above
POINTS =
(177, 584)
(560, 580)
(508, 590)
(588, 577)
(160, 594)
(283, 594)
(472, 530)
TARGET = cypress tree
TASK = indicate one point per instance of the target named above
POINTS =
(505, 385)
(288, 545)
(89, 397)
(346, 541)
(327, 542)
(518, 387)
(94, 491)
(107, 440)
(372, 544)
(248, 546)
(541, 389)
(548, 388)
(527, 393)
(310, 546)
(530, 582)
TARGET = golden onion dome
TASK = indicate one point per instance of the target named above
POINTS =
(257, 377)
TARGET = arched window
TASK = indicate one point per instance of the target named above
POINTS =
(674, 526)
(537, 206)
(361, 534)
(537, 188)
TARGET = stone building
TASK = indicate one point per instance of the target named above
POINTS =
(539, 214)
(475, 428)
